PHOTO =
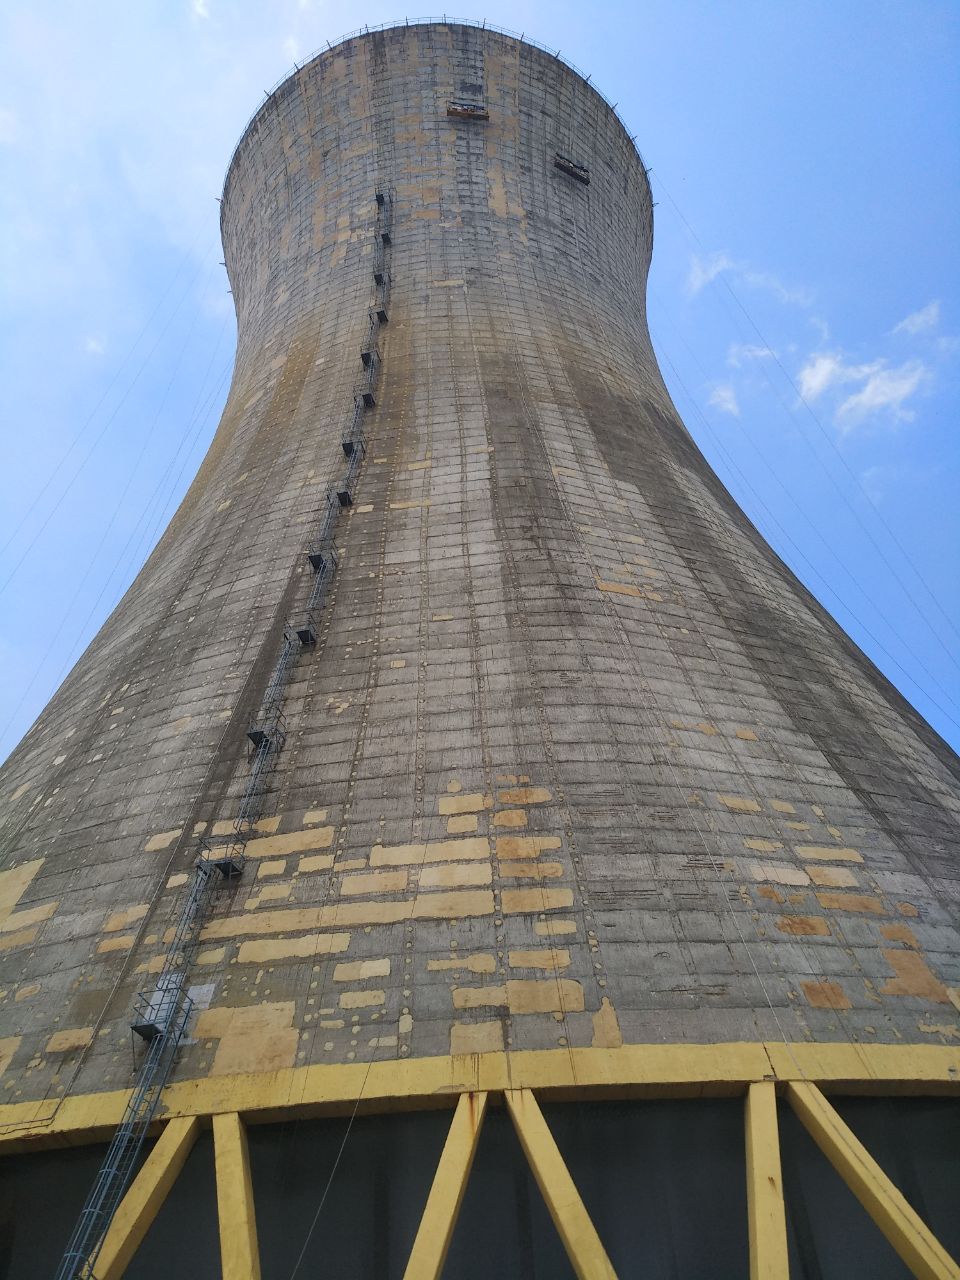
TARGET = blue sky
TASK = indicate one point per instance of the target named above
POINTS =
(804, 297)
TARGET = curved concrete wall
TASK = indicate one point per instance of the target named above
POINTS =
(576, 759)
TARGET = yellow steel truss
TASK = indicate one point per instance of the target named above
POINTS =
(766, 1217)
(803, 1073)
(446, 1195)
(142, 1202)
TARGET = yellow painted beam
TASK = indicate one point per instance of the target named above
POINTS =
(765, 1213)
(239, 1253)
(629, 1071)
(587, 1255)
(147, 1192)
(914, 1242)
(446, 1195)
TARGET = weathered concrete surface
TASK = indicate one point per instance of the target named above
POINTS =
(576, 759)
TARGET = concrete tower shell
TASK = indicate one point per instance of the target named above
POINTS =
(575, 764)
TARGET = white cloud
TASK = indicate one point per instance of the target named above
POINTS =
(291, 50)
(885, 391)
(827, 369)
(724, 398)
(200, 8)
(94, 344)
(824, 370)
(921, 321)
(882, 390)
(742, 352)
(704, 270)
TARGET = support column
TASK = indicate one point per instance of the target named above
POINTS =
(765, 1211)
(143, 1200)
(239, 1254)
(907, 1232)
(587, 1255)
(446, 1195)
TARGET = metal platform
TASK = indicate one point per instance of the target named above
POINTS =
(568, 166)
(464, 110)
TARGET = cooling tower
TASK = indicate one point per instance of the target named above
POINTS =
(467, 848)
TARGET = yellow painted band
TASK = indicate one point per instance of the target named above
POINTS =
(680, 1070)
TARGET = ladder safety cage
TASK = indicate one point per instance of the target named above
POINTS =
(384, 198)
(268, 728)
(354, 432)
(371, 367)
(329, 521)
(465, 110)
(370, 353)
(306, 628)
(160, 1017)
(365, 390)
(318, 557)
(355, 449)
(379, 259)
(324, 561)
(227, 860)
(382, 305)
(571, 167)
(250, 802)
(160, 1014)
(123, 1154)
(160, 1010)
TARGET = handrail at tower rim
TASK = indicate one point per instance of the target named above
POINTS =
(444, 21)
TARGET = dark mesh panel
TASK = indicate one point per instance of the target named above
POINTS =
(40, 1198)
(831, 1236)
(504, 1228)
(916, 1141)
(663, 1181)
(185, 1237)
(373, 1207)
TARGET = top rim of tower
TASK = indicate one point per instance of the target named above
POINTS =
(445, 21)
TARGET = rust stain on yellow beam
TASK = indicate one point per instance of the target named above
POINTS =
(239, 1253)
(907, 1233)
(765, 1212)
(446, 1195)
(143, 1201)
(587, 1255)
